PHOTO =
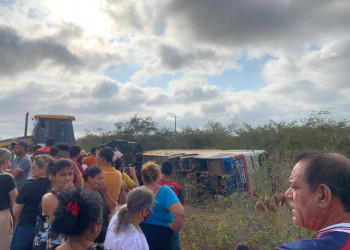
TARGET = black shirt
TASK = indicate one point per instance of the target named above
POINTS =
(30, 195)
(7, 183)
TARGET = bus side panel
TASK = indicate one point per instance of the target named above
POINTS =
(236, 172)
(230, 176)
(246, 174)
(241, 173)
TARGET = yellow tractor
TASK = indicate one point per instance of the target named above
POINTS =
(58, 127)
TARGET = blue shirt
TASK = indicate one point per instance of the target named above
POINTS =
(334, 237)
(160, 214)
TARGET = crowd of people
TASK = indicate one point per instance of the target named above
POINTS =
(58, 197)
(55, 197)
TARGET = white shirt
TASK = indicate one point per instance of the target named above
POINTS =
(131, 239)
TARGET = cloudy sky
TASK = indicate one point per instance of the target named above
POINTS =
(203, 60)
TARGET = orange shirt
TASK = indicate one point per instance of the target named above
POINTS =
(89, 161)
(113, 180)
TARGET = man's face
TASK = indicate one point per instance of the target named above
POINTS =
(18, 149)
(99, 160)
(303, 203)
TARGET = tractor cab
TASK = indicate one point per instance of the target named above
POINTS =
(58, 127)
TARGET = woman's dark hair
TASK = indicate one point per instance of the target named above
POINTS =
(137, 200)
(92, 172)
(150, 172)
(33, 148)
(100, 147)
(242, 246)
(54, 151)
(93, 150)
(76, 211)
(106, 153)
(58, 166)
(167, 168)
(118, 163)
(74, 151)
(138, 157)
(50, 142)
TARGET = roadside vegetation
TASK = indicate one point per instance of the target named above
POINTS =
(221, 222)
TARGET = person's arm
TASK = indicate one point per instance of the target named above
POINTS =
(15, 172)
(128, 182)
(178, 211)
(118, 181)
(134, 177)
(78, 174)
(8, 169)
(17, 211)
(13, 195)
(49, 203)
(102, 187)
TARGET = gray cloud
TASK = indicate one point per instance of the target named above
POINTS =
(195, 94)
(175, 59)
(159, 99)
(17, 54)
(106, 90)
(129, 15)
(259, 22)
(214, 108)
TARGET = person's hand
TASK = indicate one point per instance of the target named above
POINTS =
(170, 225)
(68, 186)
(101, 186)
(132, 172)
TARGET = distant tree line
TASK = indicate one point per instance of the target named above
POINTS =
(317, 132)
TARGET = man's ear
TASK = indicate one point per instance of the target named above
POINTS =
(89, 178)
(103, 160)
(324, 195)
(52, 177)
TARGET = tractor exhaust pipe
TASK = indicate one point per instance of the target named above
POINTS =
(26, 124)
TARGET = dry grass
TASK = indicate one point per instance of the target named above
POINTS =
(225, 221)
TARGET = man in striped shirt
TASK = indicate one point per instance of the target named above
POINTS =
(319, 196)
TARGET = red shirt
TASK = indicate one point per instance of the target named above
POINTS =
(175, 187)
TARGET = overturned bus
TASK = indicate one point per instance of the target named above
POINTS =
(212, 171)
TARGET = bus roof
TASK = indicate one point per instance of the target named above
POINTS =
(62, 117)
(199, 153)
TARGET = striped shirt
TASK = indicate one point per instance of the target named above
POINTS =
(335, 237)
